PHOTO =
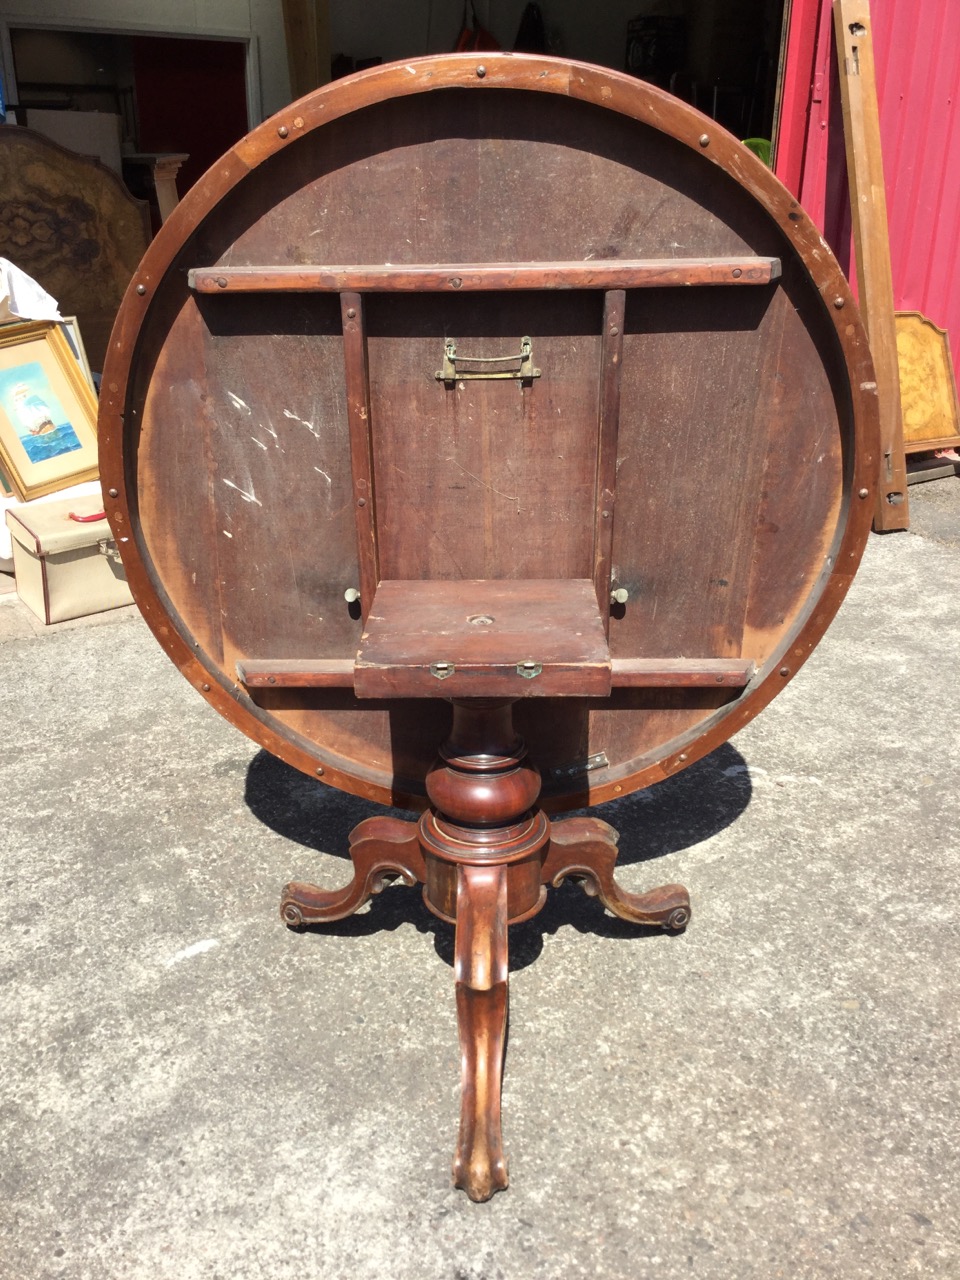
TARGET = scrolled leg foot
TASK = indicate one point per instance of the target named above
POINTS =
(585, 849)
(382, 849)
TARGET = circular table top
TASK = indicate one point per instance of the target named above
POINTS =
(700, 434)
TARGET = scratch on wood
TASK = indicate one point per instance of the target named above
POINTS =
(509, 497)
(311, 427)
(247, 497)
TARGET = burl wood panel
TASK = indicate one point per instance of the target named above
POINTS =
(928, 392)
(727, 470)
(68, 221)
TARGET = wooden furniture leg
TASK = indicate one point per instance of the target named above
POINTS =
(480, 965)
(382, 849)
(585, 849)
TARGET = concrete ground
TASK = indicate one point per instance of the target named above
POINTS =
(191, 1092)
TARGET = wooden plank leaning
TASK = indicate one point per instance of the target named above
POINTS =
(861, 129)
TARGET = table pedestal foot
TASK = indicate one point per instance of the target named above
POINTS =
(585, 849)
(382, 849)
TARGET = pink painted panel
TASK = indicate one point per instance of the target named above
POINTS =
(917, 46)
(917, 53)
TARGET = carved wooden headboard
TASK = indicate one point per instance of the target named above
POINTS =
(68, 221)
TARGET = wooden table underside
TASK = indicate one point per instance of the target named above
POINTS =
(519, 387)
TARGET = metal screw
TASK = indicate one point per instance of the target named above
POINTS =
(283, 131)
(481, 72)
(838, 303)
(112, 493)
(620, 596)
(271, 679)
(205, 688)
(682, 757)
(141, 289)
(319, 772)
(351, 313)
(737, 273)
(456, 282)
(614, 331)
(221, 282)
(862, 493)
(784, 671)
(351, 594)
(605, 514)
(361, 502)
(704, 140)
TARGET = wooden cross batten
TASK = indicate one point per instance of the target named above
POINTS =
(614, 277)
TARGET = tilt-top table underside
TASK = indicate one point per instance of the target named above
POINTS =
(508, 407)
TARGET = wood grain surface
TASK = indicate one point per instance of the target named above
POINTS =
(729, 433)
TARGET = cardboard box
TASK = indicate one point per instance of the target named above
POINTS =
(66, 563)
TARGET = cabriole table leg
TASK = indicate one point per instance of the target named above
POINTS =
(480, 965)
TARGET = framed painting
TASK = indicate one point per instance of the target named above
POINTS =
(48, 412)
(71, 331)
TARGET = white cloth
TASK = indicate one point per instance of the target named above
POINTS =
(21, 298)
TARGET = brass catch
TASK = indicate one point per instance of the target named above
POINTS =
(529, 669)
(107, 547)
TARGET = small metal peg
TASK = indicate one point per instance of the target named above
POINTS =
(620, 596)
(351, 595)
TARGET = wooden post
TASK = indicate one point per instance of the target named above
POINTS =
(306, 26)
(861, 128)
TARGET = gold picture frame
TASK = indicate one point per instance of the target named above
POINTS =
(71, 331)
(48, 412)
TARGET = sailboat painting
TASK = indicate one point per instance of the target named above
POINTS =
(37, 416)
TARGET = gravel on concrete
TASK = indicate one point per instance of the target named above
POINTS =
(189, 1091)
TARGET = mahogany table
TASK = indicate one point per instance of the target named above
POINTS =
(505, 384)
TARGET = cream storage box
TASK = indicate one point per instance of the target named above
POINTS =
(65, 559)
